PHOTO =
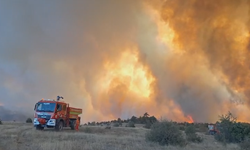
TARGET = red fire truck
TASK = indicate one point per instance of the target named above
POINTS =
(213, 129)
(55, 114)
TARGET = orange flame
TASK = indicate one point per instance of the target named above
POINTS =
(190, 119)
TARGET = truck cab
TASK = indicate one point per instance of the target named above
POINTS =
(54, 114)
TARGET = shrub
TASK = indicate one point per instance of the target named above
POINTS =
(190, 130)
(1, 122)
(29, 120)
(219, 137)
(245, 145)
(165, 133)
(194, 138)
(148, 125)
(116, 124)
(182, 128)
(191, 134)
(232, 131)
(130, 124)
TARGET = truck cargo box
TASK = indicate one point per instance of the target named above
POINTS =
(74, 112)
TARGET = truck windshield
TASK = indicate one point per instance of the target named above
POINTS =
(45, 107)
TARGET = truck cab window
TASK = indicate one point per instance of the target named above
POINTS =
(58, 107)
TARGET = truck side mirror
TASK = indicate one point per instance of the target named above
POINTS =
(35, 107)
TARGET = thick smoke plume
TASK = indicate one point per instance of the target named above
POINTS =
(172, 59)
(212, 38)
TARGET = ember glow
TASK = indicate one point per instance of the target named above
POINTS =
(184, 61)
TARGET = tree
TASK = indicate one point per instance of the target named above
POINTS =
(232, 131)
(146, 115)
(228, 118)
(119, 120)
(152, 119)
(133, 119)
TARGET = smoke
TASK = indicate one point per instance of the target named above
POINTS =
(121, 58)
(8, 115)
(210, 73)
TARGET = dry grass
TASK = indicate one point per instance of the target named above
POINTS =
(21, 136)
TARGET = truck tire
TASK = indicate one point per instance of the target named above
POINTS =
(59, 126)
(73, 125)
(39, 127)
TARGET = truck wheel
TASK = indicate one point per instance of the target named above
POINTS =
(59, 126)
(73, 125)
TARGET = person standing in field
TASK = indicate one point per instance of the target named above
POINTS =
(77, 123)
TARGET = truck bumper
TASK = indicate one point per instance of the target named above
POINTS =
(51, 123)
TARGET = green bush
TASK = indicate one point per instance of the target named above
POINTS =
(29, 120)
(232, 131)
(130, 124)
(116, 124)
(191, 134)
(166, 133)
(1, 122)
(190, 130)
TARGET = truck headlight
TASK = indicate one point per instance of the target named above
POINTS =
(52, 120)
(35, 119)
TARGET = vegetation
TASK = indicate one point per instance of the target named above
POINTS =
(21, 136)
(232, 131)
(130, 124)
(87, 130)
(245, 145)
(1, 122)
(145, 119)
(148, 125)
(191, 134)
(29, 120)
(116, 124)
(165, 133)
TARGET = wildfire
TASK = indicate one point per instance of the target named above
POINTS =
(190, 119)
(162, 57)
(129, 71)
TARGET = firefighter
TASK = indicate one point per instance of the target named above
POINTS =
(77, 123)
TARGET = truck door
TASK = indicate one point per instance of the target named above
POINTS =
(64, 111)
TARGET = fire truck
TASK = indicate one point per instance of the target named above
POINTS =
(213, 129)
(55, 114)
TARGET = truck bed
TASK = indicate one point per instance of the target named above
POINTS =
(74, 112)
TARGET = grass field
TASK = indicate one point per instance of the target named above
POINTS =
(22, 136)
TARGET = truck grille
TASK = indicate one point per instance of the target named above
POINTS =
(44, 116)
